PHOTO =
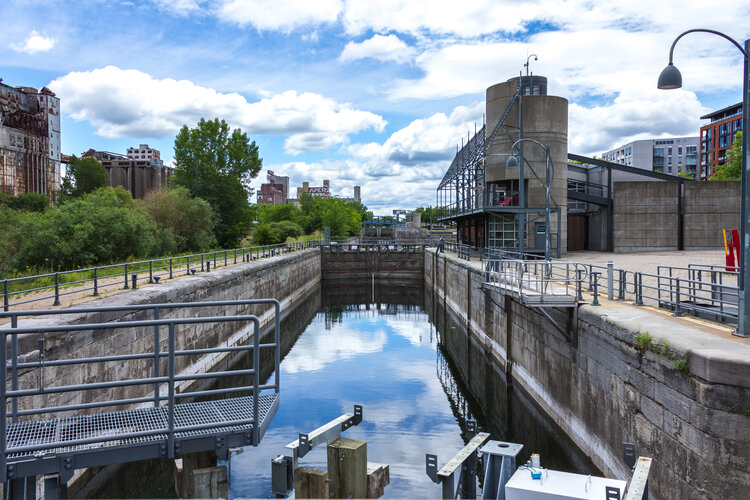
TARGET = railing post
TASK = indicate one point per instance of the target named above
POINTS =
(214, 260)
(150, 271)
(579, 285)
(170, 268)
(3, 408)
(188, 266)
(610, 279)
(156, 357)
(638, 289)
(14, 367)
(202, 267)
(256, 382)
(677, 311)
(225, 258)
(623, 277)
(591, 277)
(57, 289)
(170, 394)
(96, 282)
(596, 288)
(235, 255)
(6, 304)
(126, 277)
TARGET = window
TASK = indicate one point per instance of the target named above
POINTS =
(669, 151)
(679, 150)
(502, 231)
(658, 151)
(691, 150)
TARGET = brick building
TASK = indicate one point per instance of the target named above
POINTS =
(275, 191)
(29, 141)
(717, 137)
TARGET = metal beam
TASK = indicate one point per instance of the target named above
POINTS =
(624, 168)
(588, 198)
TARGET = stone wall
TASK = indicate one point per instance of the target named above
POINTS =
(358, 264)
(603, 391)
(646, 214)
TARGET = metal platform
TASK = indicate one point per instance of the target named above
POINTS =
(169, 413)
(536, 283)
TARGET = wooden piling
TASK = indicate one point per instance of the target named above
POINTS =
(211, 482)
(347, 468)
(311, 483)
(378, 477)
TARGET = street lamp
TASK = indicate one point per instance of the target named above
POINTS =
(670, 78)
(514, 163)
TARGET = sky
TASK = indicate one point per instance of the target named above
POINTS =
(375, 93)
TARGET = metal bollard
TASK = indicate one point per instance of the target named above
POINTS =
(134, 279)
(208, 266)
(202, 266)
(596, 288)
(96, 283)
(170, 268)
(610, 279)
(57, 290)
(151, 271)
(126, 277)
(225, 258)
(235, 256)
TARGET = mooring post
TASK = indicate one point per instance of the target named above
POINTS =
(150, 271)
(311, 483)
(347, 468)
(96, 282)
(135, 281)
(610, 279)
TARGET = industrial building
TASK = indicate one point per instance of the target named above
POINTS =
(717, 137)
(324, 190)
(497, 205)
(29, 141)
(669, 155)
(140, 171)
(275, 191)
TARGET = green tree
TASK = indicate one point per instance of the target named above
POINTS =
(98, 228)
(12, 240)
(264, 234)
(217, 166)
(685, 174)
(188, 220)
(732, 169)
(85, 175)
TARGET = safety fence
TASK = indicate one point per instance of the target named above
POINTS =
(162, 409)
(53, 286)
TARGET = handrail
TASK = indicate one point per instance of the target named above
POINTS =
(154, 269)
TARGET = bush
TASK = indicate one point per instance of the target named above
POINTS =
(28, 202)
(264, 234)
(287, 229)
(188, 220)
(95, 229)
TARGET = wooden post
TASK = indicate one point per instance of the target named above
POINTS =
(185, 472)
(311, 483)
(211, 482)
(378, 477)
(347, 468)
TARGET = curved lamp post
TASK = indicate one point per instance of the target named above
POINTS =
(670, 78)
(514, 163)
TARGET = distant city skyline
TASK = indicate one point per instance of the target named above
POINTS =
(367, 94)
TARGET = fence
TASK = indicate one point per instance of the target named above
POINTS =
(538, 282)
(126, 274)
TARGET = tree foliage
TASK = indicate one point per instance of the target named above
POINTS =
(732, 169)
(85, 175)
(217, 166)
(189, 221)
(25, 202)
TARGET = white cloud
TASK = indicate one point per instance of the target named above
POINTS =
(278, 15)
(179, 7)
(383, 48)
(131, 103)
(35, 43)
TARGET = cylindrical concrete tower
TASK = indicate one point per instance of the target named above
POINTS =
(545, 119)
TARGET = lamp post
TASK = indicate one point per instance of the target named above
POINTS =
(513, 162)
(670, 78)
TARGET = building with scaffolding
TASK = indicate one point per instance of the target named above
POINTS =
(29, 141)
(498, 206)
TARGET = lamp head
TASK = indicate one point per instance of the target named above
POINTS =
(512, 162)
(670, 78)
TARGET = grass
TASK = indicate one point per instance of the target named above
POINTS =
(644, 342)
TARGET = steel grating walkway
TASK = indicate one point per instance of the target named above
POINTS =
(218, 416)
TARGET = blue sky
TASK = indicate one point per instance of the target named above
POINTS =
(373, 93)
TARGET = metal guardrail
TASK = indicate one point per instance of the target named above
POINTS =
(113, 275)
(155, 425)
(537, 282)
(375, 247)
(704, 290)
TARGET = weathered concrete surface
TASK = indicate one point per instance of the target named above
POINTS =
(605, 390)
(350, 266)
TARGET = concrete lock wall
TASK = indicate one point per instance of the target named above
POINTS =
(342, 266)
(603, 391)
(646, 214)
(285, 278)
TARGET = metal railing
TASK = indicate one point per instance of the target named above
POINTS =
(537, 281)
(375, 247)
(147, 419)
(122, 275)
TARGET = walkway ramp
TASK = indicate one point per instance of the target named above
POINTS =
(536, 283)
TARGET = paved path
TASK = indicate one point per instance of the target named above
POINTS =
(647, 262)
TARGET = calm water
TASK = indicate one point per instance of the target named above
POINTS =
(415, 371)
